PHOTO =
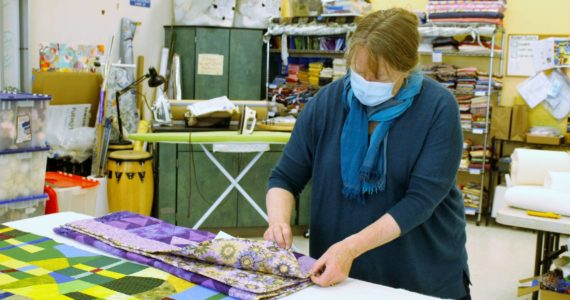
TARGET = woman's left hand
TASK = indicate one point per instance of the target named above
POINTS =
(334, 266)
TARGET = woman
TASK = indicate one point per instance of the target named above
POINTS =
(382, 147)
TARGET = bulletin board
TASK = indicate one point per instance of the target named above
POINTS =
(520, 56)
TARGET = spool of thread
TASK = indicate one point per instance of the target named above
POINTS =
(101, 206)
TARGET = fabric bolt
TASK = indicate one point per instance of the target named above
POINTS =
(424, 152)
(239, 268)
(36, 267)
(471, 14)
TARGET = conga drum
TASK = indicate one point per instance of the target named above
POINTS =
(130, 183)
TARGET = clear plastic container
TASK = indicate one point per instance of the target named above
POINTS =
(22, 172)
(23, 121)
(22, 208)
(77, 199)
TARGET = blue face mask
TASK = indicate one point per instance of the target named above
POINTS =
(370, 93)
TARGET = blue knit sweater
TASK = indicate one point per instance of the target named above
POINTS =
(424, 151)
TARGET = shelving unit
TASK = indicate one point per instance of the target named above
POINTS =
(315, 29)
(448, 29)
(452, 29)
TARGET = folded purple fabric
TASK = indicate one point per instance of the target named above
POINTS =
(165, 246)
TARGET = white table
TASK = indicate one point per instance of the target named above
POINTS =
(349, 289)
(547, 234)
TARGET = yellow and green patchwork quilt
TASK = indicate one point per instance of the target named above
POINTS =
(36, 267)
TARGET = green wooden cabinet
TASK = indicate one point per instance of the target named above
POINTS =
(242, 61)
(189, 183)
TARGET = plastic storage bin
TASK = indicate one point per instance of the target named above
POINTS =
(23, 121)
(22, 172)
(74, 193)
(22, 208)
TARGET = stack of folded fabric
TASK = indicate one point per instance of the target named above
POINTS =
(476, 155)
(445, 44)
(339, 68)
(326, 76)
(466, 11)
(315, 72)
(466, 81)
(478, 44)
(465, 161)
(293, 73)
(239, 268)
(443, 73)
(464, 102)
(303, 75)
(483, 83)
(479, 106)
(471, 195)
(466, 121)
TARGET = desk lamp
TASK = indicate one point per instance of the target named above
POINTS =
(154, 80)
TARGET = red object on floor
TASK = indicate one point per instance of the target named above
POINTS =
(51, 204)
(63, 180)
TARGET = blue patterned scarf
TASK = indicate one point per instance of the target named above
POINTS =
(363, 165)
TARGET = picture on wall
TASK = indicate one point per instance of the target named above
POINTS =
(65, 57)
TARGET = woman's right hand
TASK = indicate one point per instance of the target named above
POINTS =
(280, 233)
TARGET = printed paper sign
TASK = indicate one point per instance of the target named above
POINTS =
(211, 64)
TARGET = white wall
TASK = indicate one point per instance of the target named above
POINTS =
(82, 22)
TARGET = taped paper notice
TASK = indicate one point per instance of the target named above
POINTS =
(535, 89)
(211, 64)
(24, 132)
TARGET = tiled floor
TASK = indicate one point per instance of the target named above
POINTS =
(498, 257)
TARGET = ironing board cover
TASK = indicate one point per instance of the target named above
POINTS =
(211, 137)
(36, 267)
(240, 268)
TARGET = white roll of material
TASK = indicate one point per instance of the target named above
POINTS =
(538, 199)
(558, 181)
(529, 167)
(101, 206)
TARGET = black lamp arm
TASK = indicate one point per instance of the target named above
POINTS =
(132, 85)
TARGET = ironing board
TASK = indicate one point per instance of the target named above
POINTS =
(214, 138)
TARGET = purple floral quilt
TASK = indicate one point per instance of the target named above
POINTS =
(240, 268)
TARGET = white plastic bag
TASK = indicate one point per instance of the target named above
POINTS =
(204, 12)
(76, 144)
(256, 13)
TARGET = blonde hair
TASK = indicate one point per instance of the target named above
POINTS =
(391, 35)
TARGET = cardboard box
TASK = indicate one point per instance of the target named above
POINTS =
(551, 295)
(531, 285)
(547, 140)
(70, 88)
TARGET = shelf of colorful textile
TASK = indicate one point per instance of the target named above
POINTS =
(471, 197)
(468, 11)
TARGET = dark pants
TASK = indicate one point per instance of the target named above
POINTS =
(467, 282)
